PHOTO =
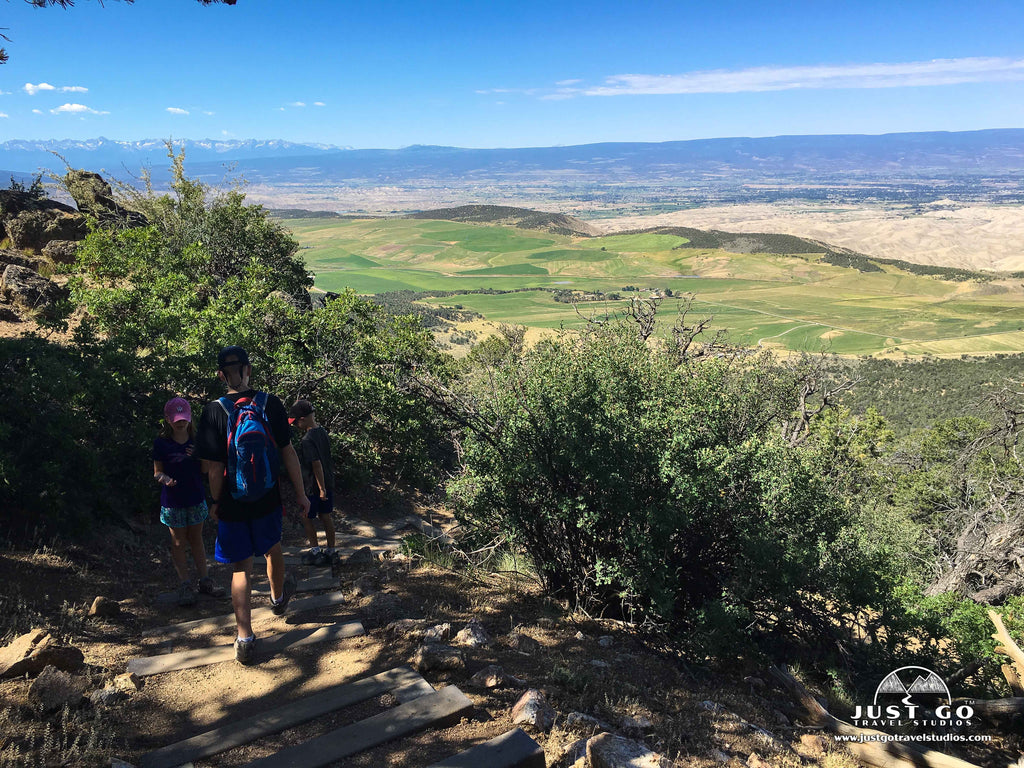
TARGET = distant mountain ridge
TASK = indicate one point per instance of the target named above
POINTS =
(996, 151)
(29, 154)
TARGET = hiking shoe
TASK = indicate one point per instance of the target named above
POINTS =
(186, 595)
(207, 587)
(321, 559)
(245, 651)
(281, 606)
(309, 556)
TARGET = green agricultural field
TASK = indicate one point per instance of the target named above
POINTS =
(795, 302)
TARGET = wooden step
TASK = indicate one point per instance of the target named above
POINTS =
(323, 581)
(297, 605)
(293, 555)
(403, 682)
(438, 709)
(514, 749)
(296, 638)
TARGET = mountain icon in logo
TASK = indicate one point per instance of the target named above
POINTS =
(891, 684)
(931, 683)
(924, 683)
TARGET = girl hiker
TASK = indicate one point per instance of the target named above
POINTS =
(182, 498)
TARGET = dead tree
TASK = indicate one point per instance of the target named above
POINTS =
(982, 556)
(819, 391)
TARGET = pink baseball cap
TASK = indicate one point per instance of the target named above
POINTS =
(177, 409)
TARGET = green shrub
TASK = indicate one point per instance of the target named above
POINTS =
(635, 479)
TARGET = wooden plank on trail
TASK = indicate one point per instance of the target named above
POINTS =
(297, 605)
(510, 750)
(446, 706)
(170, 662)
(284, 716)
(324, 581)
(413, 690)
(170, 598)
(293, 555)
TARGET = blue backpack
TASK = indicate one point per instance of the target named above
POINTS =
(253, 459)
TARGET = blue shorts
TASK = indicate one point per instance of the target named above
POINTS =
(238, 541)
(183, 517)
(318, 506)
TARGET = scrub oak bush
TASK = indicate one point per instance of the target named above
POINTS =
(659, 485)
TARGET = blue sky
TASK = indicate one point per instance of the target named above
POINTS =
(480, 74)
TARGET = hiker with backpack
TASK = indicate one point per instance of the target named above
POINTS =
(245, 437)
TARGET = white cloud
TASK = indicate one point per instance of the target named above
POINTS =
(319, 104)
(757, 79)
(280, 109)
(32, 90)
(208, 113)
(297, 104)
(4, 114)
(568, 82)
(177, 111)
(561, 94)
(37, 111)
(77, 109)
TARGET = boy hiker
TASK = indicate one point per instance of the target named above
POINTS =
(244, 437)
(317, 479)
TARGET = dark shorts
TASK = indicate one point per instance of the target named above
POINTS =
(238, 541)
(318, 506)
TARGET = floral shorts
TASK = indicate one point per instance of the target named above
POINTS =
(183, 517)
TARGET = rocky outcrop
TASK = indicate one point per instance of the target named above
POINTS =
(28, 290)
(61, 251)
(301, 301)
(31, 230)
(94, 197)
(14, 202)
(320, 299)
(10, 256)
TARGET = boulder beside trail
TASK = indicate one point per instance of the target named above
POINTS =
(104, 608)
(36, 650)
(54, 689)
(434, 656)
(533, 709)
(608, 751)
(28, 289)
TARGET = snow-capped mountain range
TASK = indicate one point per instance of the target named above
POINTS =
(29, 155)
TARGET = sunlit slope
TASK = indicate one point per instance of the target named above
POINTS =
(794, 301)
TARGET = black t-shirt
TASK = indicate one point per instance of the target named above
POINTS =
(316, 446)
(212, 445)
